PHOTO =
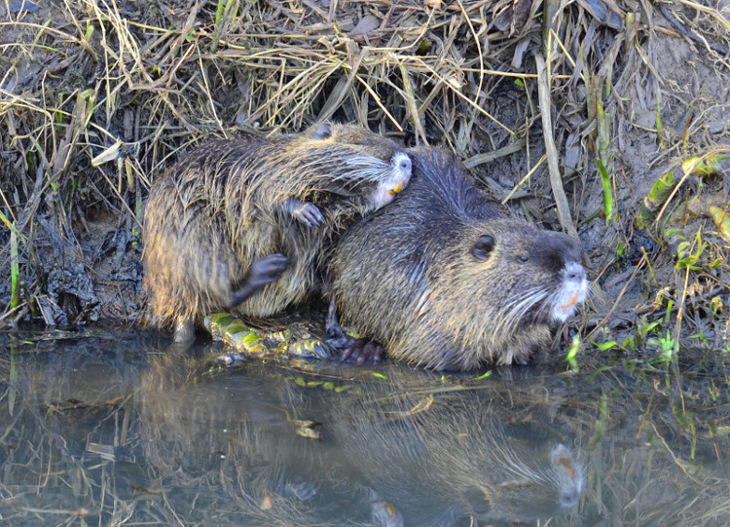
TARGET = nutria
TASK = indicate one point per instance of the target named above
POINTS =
(233, 216)
(448, 279)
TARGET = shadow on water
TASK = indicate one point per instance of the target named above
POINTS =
(112, 428)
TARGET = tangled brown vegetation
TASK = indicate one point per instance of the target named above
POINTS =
(98, 96)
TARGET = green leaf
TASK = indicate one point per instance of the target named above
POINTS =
(606, 345)
(608, 208)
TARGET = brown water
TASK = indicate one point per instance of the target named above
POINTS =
(109, 427)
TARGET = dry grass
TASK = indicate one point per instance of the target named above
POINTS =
(96, 97)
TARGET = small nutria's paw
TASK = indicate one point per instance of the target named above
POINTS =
(307, 213)
(358, 351)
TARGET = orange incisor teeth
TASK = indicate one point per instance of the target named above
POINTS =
(395, 190)
(573, 300)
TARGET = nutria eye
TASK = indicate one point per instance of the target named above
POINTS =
(483, 247)
(402, 162)
(523, 258)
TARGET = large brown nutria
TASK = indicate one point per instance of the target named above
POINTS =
(233, 216)
(447, 279)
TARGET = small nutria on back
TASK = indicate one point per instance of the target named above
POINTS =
(447, 279)
(254, 214)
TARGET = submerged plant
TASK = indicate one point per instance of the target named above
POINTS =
(668, 347)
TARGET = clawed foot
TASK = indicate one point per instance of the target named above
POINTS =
(262, 271)
(354, 350)
(358, 351)
(307, 213)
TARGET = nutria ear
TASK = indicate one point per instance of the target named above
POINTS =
(483, 247)
(323, 132)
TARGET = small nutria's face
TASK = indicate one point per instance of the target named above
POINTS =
(400, 169)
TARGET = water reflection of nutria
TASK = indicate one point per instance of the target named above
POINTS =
(451, 460)
(291, 453)
(116, 430)
(249, 445)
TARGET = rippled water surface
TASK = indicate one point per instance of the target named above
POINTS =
(110, 427)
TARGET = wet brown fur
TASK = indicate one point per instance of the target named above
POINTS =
(224, 205)
(407, 276)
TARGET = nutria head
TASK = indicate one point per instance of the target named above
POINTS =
(502, 284)
(356, 158)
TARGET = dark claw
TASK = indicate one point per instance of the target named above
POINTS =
(311, 215)
(332, 324)
(347, 353)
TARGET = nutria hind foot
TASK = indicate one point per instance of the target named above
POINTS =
(262, 271)
(354, 350)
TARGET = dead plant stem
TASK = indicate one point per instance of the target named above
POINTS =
(556, 182)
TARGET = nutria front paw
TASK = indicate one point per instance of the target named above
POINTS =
(358, 351)
(266, 269)
(307, 213)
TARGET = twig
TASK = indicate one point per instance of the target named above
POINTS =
(556, 182)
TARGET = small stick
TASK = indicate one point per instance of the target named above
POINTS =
(561, 201)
